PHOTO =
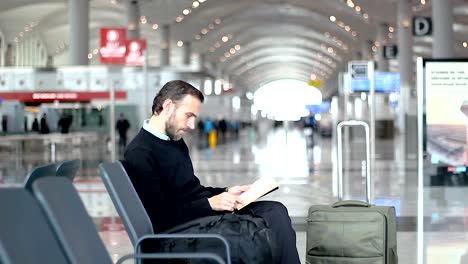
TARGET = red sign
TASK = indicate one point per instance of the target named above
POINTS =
(49, 97)
(135, 51)
(110, 223)
(113, 45)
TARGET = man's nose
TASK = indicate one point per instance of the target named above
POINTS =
(191, 123)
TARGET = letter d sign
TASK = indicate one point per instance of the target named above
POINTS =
(422, 26)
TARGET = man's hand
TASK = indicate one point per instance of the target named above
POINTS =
(238, 190)
(224, 201)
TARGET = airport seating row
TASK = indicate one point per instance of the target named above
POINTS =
(47, 222)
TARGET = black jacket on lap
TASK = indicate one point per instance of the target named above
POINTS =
(162, 173)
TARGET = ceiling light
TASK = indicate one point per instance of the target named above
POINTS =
(90, 56)
(197, 37)
(186, 11)
(365, 15)
(406, 23)
(179, 18)
(201, 1)
(313, 77)
(155, 26)
(357, 8)
(465, 44)
(217, 44)
(217, 21)
(350, 3)
(332, 18)
(391, 29)
(347, 28)
(224, 38)
(237, 47)
(210, 26)
(180, 43)
(204, 31)
(195, 4)
(232, 50)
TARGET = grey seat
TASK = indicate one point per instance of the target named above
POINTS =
(68, 217)
(76, 231)
(25, 235)
(68, 168)
(39, 172)
(130, 208)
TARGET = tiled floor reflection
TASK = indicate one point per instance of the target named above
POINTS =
(304, 170)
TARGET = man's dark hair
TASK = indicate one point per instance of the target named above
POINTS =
(176, 91)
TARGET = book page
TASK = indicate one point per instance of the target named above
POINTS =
(258, 189)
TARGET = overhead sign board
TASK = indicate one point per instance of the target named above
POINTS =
(65, 96)
(422, 26)
(316, 83)
(113, 45)
(135, 53)
(358, 69)
(390, 51)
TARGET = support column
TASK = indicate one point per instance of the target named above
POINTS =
(78, 13)
(30, 50)
(187, 52)
(201, 61)
(382, 62)
(165, 45)
(2, 51)
(35, 49)
(407, 119)
(366, 49)
(133, 19)
(442, 18)
(23, 52)
(17, 54)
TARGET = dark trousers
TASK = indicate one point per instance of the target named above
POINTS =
(277, 217)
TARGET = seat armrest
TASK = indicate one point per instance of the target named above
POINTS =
(160, 236)
(211, 256)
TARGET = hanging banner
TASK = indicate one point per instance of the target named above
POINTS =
(135, 51)
(113, 45)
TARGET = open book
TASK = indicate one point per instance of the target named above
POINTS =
(259, 188)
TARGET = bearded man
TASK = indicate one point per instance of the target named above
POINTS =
(161, 171)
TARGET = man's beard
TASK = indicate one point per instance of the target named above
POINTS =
(171, 130)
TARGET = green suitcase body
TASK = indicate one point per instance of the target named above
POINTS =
(351, 232)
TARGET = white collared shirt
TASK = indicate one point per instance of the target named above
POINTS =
(152, 130)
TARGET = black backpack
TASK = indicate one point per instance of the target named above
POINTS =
(249, 237)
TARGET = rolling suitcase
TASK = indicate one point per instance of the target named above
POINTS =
(351, 232)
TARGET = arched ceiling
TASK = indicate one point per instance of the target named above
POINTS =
(266, 40)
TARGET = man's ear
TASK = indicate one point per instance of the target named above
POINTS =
(168, 106)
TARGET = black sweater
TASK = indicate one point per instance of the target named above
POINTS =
(162, 174)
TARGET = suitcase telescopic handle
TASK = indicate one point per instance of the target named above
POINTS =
(339, 128)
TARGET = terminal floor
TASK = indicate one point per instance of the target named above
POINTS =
(305, 172)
